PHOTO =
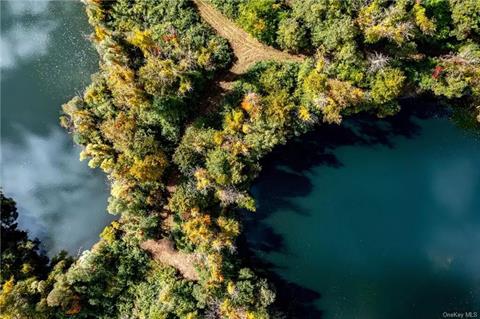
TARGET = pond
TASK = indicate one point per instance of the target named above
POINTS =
(375, 219)
(46, 59)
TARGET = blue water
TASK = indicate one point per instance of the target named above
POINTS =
(45, 60)
(375, 219)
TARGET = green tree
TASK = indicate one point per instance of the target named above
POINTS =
(260, 18)
(21, 257)
(387, 85)
(466, 18)
(292, 35)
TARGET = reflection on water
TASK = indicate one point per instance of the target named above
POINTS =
(58, 196)
(25, 39)
(464, 175)
(45, 59)
(374, 221)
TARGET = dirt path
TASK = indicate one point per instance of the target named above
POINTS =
(163, 251)
(246, 48)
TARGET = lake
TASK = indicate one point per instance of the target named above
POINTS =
(45, 60)
(372, 220)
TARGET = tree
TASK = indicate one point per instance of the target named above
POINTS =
(27, 275)
(120, 131)
(387, 85)
(21, 257)
(423, 22)
(260, 18)
(466, 18)
(292, 35)
(456, 75)
(165, 294)
(160, 77)
(193, 147)
(218, 165)
(150, 168)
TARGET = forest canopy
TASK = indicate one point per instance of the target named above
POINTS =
(181, 161)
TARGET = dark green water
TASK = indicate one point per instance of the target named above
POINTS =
(375, 220)
(45, 60)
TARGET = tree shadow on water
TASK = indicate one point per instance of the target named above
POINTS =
(317, 147)
(292, 300)
(285, 176)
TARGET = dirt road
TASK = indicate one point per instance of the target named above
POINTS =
(246, 48)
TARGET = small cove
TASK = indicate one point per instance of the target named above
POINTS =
(373, 219)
